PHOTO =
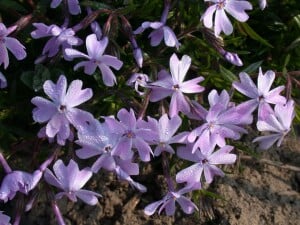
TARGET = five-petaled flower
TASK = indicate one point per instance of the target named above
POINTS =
(96, 58)
(221, 22)
(12, 44)
(205, 160)
(174, 85)
(261, 95)
(61, 111)
(168, 201)
(71, 180)
(278, 122)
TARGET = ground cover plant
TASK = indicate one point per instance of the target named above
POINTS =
(89, 87)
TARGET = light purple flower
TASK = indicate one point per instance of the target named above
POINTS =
(18, 181)
(168, 202)
(71, 180)
(96, 58)
(97, 139)
(61, 111)
(12, 44)
(221, 22)
(164, 131)
(222, 120)
(61, 38)
(261, 95)
(205, 160)
(132, 135)
(278, 123)
(161, 31)
(73, 6)
(4, 219)
(3, 81)
(175, 86)
(138, 79)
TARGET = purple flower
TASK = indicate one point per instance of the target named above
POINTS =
(3, 81)
(96, 59)
(18, 181)
(70, 179)
(4, 219)
(73, 6)
(173, 85)
(278, 122)
(138, 79)
(261, 95)
(161, 30)
(61, 37)
(205, 159)
(97, 139)
(168, 202)
(164, 131)
(132, 136)
(61, 111)
(221, 121)
(12, 44)
(221, 22)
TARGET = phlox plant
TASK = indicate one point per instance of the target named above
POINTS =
(83, 83)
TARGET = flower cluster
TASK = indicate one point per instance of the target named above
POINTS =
(119, 143)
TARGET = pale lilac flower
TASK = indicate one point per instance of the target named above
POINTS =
(161, 30)
(73, 6)
(138, 79)
(96, 58)
(175, 86)
(222, 120)
(164, 131)
(168, 202)
(12, 44)
(61, 38)
(18, 181)
(261, 95)
(221, 22)
(3, 81)
(205, 160)
(97, 139)
(278, 123)
(132, 136)
(71, 180)
(4, 219)
(61, 111)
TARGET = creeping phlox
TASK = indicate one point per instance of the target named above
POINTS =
(117, 143)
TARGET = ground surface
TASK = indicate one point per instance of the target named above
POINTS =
(254, 192)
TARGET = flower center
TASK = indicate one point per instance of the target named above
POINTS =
(204, 161)
(176, 87)
(129, 134)
(107, 148)
(62, 108)
(221, 4)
